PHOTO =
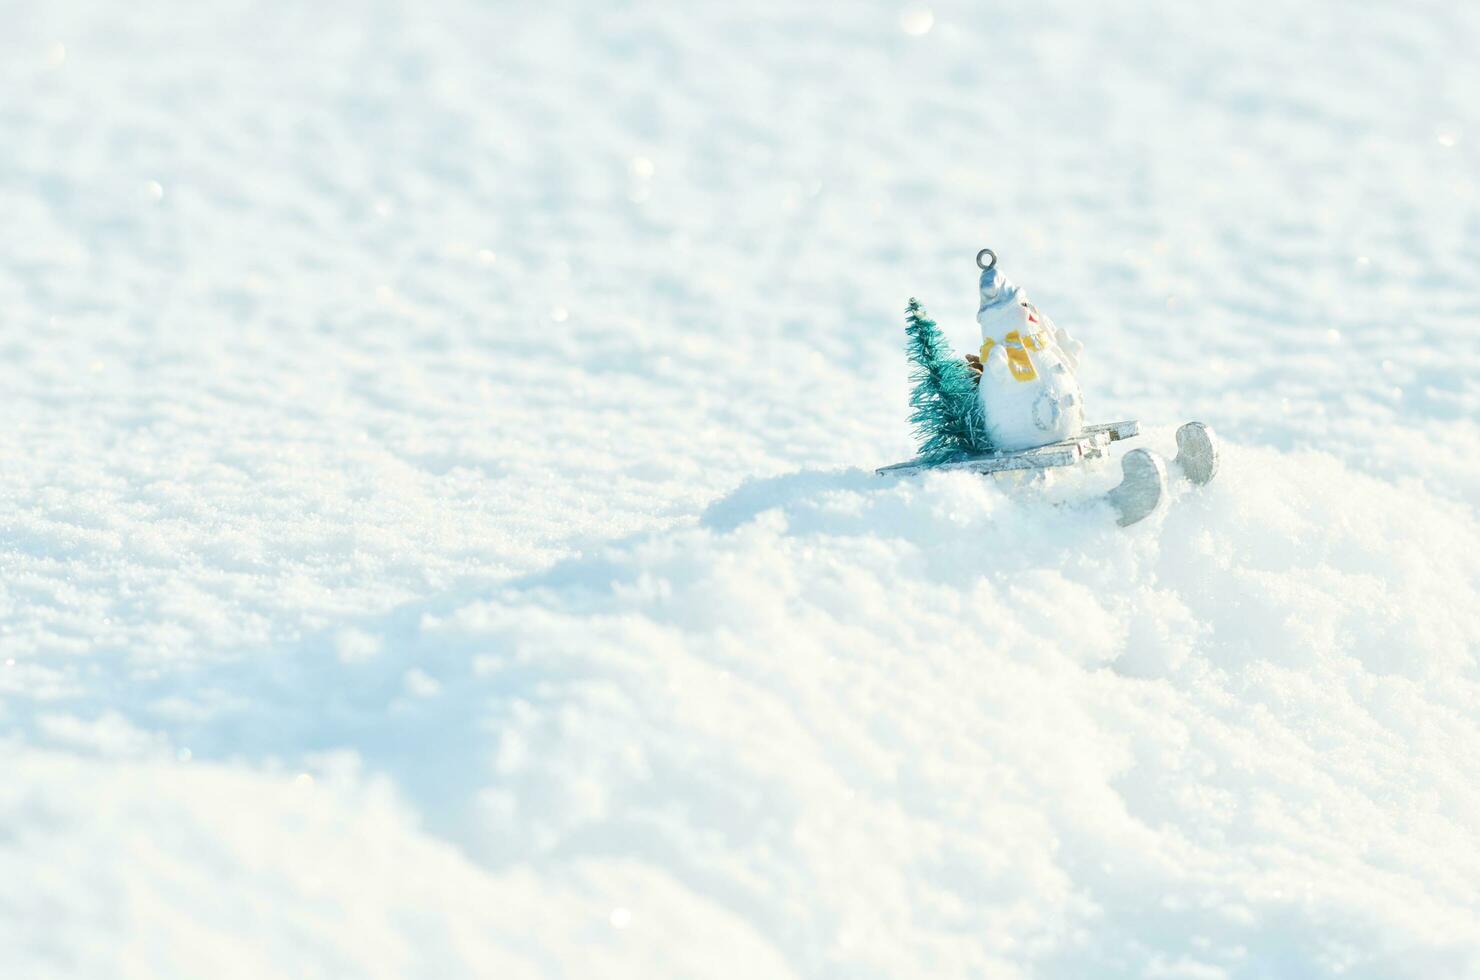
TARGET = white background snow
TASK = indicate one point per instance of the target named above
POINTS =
(438, 537)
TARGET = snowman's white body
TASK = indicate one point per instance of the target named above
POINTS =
(1029, 393)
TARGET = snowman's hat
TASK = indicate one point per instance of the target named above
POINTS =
(996, 289)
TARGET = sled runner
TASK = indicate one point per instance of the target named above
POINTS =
(1143, 473)
(1090, 444)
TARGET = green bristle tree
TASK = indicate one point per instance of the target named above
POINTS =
(946, 412)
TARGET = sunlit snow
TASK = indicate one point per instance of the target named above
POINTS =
(439, 537)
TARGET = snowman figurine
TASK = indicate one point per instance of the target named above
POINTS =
(1023, 410)
(1029, 394)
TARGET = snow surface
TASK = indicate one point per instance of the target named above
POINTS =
(437, 535)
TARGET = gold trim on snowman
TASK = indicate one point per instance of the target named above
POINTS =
(1017, 347)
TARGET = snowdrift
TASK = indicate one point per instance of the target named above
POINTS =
(841, 726)
(438, 535)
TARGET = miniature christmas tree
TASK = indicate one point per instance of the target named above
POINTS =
(946, 412)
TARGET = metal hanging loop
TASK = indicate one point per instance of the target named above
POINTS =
(990, 263)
